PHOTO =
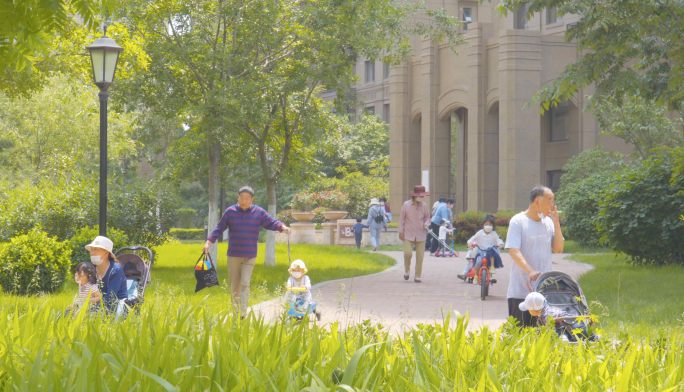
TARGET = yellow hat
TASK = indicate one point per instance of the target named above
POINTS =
(298, 263)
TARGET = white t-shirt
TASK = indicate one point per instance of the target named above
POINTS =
(485, 240)
(305, 282)
(534, 239)
(443, 231)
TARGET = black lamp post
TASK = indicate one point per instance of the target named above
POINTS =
(104, 54)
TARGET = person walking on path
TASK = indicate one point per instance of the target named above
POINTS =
(357, 229)
(376, 221)
(433, 211)
(388, 211)
(413, 221)
(243, 220)
(532, 235)
(442, 214)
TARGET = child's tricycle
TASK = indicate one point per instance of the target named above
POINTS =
(298, 307)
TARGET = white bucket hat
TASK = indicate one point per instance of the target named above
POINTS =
(533, 301)
(101, 242)
(374, 202)
(298, 263)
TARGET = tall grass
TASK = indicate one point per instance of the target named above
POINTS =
(173, 346)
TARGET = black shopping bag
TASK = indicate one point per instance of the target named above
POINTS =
(205, 272)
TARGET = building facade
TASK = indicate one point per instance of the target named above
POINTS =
(458, 121)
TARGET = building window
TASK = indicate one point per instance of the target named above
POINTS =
(385, 70)
(552, 16)
(553, 178)
(558, 123)
(370, 110)
(570, 25)
(521, 21)
(386, 113)
(370, 71)
(467, 17)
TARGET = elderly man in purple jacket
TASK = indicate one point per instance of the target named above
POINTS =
(243, 221)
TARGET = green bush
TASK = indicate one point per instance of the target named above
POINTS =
(185, 217)
(34, 263)
(470, 222)
(188, 234)
(285, 216)
(145, 211)
(639, 214)
(85, 236)
(502, 231)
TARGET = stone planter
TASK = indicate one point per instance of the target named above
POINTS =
(333, 216)
(303, 216)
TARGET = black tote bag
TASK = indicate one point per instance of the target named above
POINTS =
(205, 277)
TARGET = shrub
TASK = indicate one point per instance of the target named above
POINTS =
(304, 201)
(334, 200)
(85, 236)
(188, 234)
(639, 213)
(34, 263)
(285, 216)
(319, 217)
(185, 217)
(502, 231)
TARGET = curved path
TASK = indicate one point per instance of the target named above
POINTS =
(399, 304)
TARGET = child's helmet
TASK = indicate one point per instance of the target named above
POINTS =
(298, 263)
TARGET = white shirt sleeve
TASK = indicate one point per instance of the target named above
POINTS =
(514, 236)
(307, 282)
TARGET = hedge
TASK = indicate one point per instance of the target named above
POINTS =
(188, 234)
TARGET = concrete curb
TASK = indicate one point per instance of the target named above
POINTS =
(265, 304)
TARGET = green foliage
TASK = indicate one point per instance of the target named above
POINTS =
(145, 211)
(304, 201)
(585, 177)
(86, 236)
(285, 216)
(639, 212)
(641, 57)
(641, 123)
(502, 231)
(33, 263)
(334, 200)
(470, 222)
(188, 234)
(186, 217)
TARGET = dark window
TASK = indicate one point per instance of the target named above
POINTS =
(385, 70)
(521, 21)
(370, 71)
(552, 16)
(370, 110)
(386, 113)
(558, 123)
(467, 17)
(553, 178)
(570, 25)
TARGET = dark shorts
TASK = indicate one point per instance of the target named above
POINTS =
(525, 319)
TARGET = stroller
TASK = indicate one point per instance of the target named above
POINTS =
(138, 276)
(563, 292)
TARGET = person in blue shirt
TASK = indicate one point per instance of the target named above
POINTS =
(441, 214)
(111, 278)
(357, 229)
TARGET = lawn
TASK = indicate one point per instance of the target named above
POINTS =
(174, 279)
(629, 298)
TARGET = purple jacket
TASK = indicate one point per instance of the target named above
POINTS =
(244, 229)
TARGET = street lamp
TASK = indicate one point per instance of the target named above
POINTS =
(104, 54)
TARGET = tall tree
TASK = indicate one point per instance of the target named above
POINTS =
(246, 73)
(628, 47)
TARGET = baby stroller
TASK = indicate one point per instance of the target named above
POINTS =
(564, 293)
(138, 276)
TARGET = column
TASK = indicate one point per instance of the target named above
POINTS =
(519, 129)
(476, 117)
(399, 131)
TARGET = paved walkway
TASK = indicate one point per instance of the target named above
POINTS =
(399, 304)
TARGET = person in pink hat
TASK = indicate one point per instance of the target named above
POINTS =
(413, 221)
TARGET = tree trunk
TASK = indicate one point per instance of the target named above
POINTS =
(270, 235)
(214, 151)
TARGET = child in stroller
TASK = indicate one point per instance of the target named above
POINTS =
(138, 274)
(559, 297)
(298, 294)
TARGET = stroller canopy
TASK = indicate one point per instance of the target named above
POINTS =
(135, 267)
(563, 292)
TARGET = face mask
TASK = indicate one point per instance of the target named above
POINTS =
(488, 228)
(96, 260)
(296, 275)
(382, 204)
(419, 199)
(540, 214)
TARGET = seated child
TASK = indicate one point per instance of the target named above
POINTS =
(443, 231)
(298, 278)
(536, 304)
(357, 229)
(86, 277)
(484, 238)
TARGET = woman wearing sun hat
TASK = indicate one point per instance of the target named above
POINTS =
(413, 221)
(111, 278)
(376, 213)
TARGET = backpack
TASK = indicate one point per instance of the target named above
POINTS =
(379, 218)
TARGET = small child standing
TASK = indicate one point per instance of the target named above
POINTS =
(86, 277)
(299, 279)
(443, 231)
(357, 229)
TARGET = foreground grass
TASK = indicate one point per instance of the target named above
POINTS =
(176, 346)
(629, 298)
(174, 278)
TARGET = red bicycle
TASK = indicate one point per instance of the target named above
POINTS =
(483, 273)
